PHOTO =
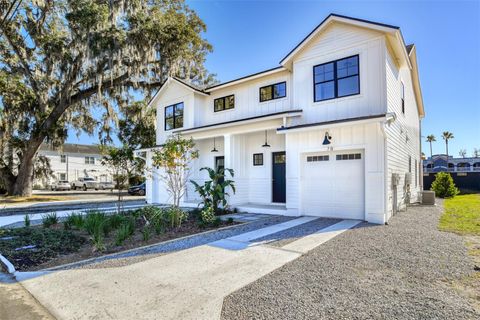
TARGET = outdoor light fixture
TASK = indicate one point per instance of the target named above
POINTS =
(327, 139)
(214, 147)
(266, 145)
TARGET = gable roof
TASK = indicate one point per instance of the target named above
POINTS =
(184, 84)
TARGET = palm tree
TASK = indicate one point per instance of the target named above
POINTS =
(446, 135)
(430, 139)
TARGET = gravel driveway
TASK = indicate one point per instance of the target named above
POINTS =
(400, 271)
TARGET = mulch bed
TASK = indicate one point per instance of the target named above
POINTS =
(37, 248)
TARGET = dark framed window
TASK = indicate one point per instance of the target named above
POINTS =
(317, 158)
(349, 156)
(258, 159)
(336, 79)
(63, 158)
(273, 91)
(403, 97)
(410, 164)
(89, 160)
(224, 103)
(174, 116)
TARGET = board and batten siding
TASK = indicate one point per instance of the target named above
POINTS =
(336, 42)
(403, 136)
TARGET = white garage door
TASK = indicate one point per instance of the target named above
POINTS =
(333, 185)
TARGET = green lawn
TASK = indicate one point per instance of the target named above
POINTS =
(462, 215)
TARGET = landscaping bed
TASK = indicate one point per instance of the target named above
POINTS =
(96, 234)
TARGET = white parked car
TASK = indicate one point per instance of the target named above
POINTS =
(85, 183)
(60, 185)
(106, 185)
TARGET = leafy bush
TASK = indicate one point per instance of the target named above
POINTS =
(49, 219)
(154, 217)
(444, 186)
(146, 233)
(115, 221)
(213, 191)
(26, 221)
(94, 222)
(207, 215)
(175, 216)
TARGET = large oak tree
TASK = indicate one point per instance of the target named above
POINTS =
(62, 62)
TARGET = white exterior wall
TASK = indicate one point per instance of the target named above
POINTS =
(403, 136)
(76, 166)
(366, 137)
(337, 42)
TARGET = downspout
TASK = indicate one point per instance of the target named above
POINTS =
(389, 119)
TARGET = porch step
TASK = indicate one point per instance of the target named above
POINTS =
(262, 209)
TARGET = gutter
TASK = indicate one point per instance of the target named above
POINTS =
(389, 119)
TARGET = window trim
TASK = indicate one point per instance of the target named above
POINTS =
(335, 79)
(89, 160)
(272, 95)
(224, 99)
(63, 158)
(260, 164)
(173, 117)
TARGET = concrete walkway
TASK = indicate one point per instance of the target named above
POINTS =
(188, 284)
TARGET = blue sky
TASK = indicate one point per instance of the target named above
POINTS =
(250, 36)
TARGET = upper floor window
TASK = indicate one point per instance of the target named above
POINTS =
(224, 103)
(274, 91)
(89, 160)
(403, 97)
(174, 116)
(63, 158)
(336, 79)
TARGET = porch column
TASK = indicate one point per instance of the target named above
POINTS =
(228, 150)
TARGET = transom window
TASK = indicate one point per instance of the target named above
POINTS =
(224, 103)
(89, 160)
(349, 156)
(174, 116)
(317, 158)
(274, 91)
(258, 159)
(336, 79)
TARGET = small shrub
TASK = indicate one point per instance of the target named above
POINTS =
(49, 219)
(444, 186)
(115, 221)
(94, 222)
(207, 215)
(26, 221)
(217, 222)
(97, 241)
(230, 220)
(74, 220)
(176, 216)
(124, 232)
(146, 233)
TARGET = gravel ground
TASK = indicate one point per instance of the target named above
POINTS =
(284, 237)
(401, 271)
(141, 254)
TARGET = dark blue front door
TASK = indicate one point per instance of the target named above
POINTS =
(278, 177)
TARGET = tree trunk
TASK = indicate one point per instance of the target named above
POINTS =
(24, 180)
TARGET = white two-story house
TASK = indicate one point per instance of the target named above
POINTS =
(333, 131)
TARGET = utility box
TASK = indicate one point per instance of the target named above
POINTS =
(428, 197)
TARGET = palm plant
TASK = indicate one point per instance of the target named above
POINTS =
(430, 139)
(446, 135)
(213, 191)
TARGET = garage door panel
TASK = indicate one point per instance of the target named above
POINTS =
(334, 188)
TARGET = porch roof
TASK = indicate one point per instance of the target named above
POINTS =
(275, 115)
(333, 122)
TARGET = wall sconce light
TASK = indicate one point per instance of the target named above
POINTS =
(214, 147)
(266, 145)
(327, 139)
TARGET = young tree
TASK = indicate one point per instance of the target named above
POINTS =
(462, 153)
(118, 162)
(61, 60)
(476, 153)
(174, 159)
(430, 139)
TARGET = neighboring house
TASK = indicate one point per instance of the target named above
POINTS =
(73, 161)
(438, 163)
(464, 171)
(333, 131)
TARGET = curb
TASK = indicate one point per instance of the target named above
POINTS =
(7, 265)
